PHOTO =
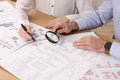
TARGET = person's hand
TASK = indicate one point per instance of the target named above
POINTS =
(22, 33)
(90, 43)
(65, 27)
(61, 20)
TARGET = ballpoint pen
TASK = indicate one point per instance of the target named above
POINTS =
(27, 31)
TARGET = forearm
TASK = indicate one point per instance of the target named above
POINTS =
(83, 7)
(90, 21)
(22, 9)
(96, 18)
(73, 17)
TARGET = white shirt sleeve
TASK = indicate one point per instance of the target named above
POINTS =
(83, 7)
(77, 8)
(22, 9)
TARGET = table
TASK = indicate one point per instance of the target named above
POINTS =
(41, 19)
(38, 18)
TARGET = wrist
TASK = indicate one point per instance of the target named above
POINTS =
(74, 25)
(66, 19)
(107, 46)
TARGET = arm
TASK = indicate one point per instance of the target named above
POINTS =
(22, 9)
(83, 7)
(96, 18)
(115, 50)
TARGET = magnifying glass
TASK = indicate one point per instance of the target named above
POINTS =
(52, 36)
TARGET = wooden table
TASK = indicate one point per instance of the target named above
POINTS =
(40, 19)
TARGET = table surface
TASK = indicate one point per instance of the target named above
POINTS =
(37, 18)
(42, 19)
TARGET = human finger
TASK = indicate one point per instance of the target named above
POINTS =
(22, 33)
(28, 29)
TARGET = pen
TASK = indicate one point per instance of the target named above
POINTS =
(27, 31)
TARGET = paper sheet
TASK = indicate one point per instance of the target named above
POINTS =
(42, 60)
(107, 69)
(39, 63)
(10, 41)
(27, 57)
(7, 12)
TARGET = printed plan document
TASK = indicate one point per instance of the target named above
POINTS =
(42, 60)
(106, 69)
(5, 21)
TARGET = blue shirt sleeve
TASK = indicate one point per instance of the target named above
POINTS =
(115, 50)
(97, 18)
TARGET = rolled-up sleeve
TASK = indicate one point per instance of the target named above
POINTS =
(22, 9)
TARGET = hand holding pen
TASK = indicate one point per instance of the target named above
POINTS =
(25, 34)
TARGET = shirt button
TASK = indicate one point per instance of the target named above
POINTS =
(52, 5)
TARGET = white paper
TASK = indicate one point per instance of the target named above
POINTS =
(42, 60)
(39, 63)
(67, 43)
(107, 69)
(7, 12)
(10, 41)
(65, 64)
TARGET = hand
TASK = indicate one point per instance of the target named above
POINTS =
(65, 27)
(61, 20)
(22, 33)
(90, 43)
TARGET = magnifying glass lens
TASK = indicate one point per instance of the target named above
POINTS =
(52, 37)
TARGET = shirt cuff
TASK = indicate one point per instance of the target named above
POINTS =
(72, 17)
(24, 22)
(81, 24)
(115, 50)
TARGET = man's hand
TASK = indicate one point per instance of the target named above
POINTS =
(61, 20)
(90, 43)
(65, 27)
(22, 33)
